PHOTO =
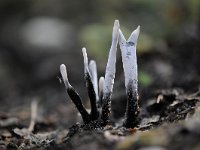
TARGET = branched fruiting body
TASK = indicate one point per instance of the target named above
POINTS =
(129, 59)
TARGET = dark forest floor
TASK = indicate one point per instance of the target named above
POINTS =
(172, 121)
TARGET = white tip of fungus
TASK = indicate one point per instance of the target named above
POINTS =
(85, 59)
(101, 83)
(92, 65)
(63, 72)
(134, 35)
(93, 72)
(111, 64)
(115, 33)
(129, 57)
(122, 39)
(116, 24)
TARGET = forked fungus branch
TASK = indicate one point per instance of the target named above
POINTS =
(129, 59)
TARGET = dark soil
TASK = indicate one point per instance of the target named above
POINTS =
(172, 116)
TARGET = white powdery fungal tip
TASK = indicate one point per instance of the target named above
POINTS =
(63, 72)
(85, 59)
(115, 33)
(134, 35)
(110, 68)
(93, 72)
(116, 24)
(93, 69)
(129, 58)
(122, 39)
(101, 83)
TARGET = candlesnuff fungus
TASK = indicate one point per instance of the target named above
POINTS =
(129, 59)
(110, 75)
(74, 95)
(90, 85)
(100, 96)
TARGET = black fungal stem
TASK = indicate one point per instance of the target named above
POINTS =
(77, 101)
(99, 103)
(132, 108)
(106, 109)
(92, 95)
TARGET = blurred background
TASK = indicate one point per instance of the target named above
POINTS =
(36, 36)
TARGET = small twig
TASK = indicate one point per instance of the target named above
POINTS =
(25, 132)
(34, 109)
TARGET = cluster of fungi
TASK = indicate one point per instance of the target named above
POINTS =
(100, 92)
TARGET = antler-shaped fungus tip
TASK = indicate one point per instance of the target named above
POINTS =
(134, 35)
(93, 72)
(116, 24)
(63, 72)
(85, 59)
(115, 33)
